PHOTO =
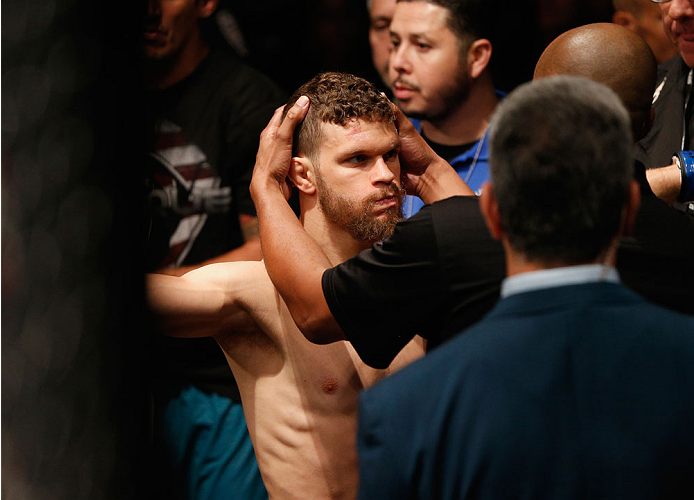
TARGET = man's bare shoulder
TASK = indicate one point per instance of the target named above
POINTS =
(248, 290)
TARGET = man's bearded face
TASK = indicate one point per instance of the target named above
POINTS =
(362, 219)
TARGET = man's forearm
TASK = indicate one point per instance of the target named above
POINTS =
(295, 264)
(665, 182)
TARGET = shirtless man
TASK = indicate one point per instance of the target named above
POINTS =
(299, 398)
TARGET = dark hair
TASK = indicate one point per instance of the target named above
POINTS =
(468, 20)
(560, 168)
(336, 98)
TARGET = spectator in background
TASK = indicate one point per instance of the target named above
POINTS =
(655, 260)
(573, 386)
(673, 124)
(206, 109)
(380, 16)
(643, 17)
(439, 75)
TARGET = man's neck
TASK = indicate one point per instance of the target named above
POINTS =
(166, 73)
(468, 122)
(517, 263)
(337, 243)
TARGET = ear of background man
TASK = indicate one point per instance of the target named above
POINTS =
(479, 56)
(490, 211)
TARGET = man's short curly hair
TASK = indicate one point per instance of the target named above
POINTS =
(336, 98)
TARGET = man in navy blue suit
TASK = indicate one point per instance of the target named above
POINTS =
(572, 386)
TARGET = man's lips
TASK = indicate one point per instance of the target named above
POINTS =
(403, 91)
(153, 35)
(387, 202)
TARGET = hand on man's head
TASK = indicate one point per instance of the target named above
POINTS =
(424, 173)
(415, 154)
(275, 150)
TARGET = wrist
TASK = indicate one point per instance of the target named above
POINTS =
(264, 186)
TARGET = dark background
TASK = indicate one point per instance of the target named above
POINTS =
(75, 344)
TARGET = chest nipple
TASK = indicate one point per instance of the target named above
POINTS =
(329, 385)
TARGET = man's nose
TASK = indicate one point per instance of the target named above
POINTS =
(383, 172)
(680, 9)
(399, 60)
(153, 8)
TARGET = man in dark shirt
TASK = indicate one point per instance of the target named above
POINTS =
(206, 110)
(673, 119)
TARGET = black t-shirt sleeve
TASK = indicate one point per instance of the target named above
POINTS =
(385, 295)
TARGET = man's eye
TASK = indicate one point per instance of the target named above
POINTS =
(423, 46)
(357, 159)
(394, 42)
(390, 155)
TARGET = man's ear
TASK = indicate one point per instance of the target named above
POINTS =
(205, 8)
(301, 174)
(631, 207)
(624, 19)
(478, 56)
(490, 211)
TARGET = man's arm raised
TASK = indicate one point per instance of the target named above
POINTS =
(294, 261)
(204, 302)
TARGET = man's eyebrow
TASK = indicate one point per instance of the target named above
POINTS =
(380, 18)
(420, 36)
(349, 153)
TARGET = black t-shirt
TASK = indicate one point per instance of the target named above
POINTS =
(448, 153)
(205, 134)
(206, 130)
(439, 273)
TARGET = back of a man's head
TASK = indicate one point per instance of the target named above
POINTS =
(468, 20)
(611, 55)
(337, 98)
(560, 169)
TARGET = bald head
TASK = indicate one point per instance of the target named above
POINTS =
(611, 55)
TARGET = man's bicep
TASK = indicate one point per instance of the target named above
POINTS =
(200, 302)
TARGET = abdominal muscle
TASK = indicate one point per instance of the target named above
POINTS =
(300, 401)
